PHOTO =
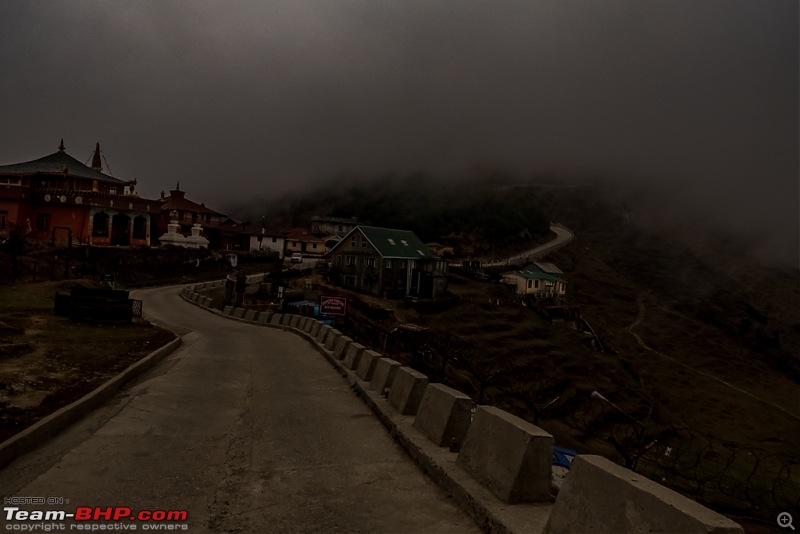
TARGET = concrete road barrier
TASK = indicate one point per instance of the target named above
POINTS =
(276, 318)
(366, 365)
(315, 326)
(228, 310)
(251, 315)
(383, 376)
(602, 497)
(353, 355)
(333, 337)
(508, 455)
(265, 317)
(340, 349)
(239, 312)
(322, 335)
(444, 415)
(407, 390)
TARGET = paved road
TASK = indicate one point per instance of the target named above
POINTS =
(250, 430)
(563, 235)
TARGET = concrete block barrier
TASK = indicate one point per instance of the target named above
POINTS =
(407, 390)
(251, 315)
(265, 317)
(444, 415)
(239, 312)
(228, 310)
(603, 497)
(315, 328)
(353, 355)
(508, 455)
(366, 365)
(383, 376)
(332, 339)
(310, 322)
(301, 323)
(322, 334)
(276, 318)
(194, 296)
(340, 349)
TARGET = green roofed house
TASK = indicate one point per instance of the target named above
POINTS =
(388, 263)
(538, 279)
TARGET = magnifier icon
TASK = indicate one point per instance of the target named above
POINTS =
(785, 520)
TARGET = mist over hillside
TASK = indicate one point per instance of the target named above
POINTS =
(501, 208)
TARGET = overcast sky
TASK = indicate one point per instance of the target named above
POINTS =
(238, 99)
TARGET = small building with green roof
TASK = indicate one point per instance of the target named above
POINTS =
(388, 263)
(537, 279)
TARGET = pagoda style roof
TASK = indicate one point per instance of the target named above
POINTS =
(58, 163)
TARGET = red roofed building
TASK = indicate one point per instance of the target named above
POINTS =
(58, 198)
(222, 232)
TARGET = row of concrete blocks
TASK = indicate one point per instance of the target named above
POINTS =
(193, 293)
(509, 456)
(513, 458)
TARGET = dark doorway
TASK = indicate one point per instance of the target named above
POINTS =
(120, 230)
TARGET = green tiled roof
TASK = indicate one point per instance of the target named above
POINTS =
(540, 271)
(537, 275)
(395, 243)
(58, 163)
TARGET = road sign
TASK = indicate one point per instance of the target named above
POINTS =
(332, 305)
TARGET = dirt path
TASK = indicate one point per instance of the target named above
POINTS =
(640, 317)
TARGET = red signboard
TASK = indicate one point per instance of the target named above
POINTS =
(332, 305)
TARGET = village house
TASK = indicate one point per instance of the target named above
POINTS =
(332, 226)
(222, 231)
(269, 239)
(537, 279)
(59, 199)
(303, 241)
(387, 263)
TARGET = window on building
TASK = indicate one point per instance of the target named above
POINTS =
(536, 284)
(350, 281)
(43, 222)
(370, 262)
(100, 225)
(350, 260)
(388, 263)
(363, 243)
(353, 242)
(402, 264)
(530, 284)
(3, 218)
